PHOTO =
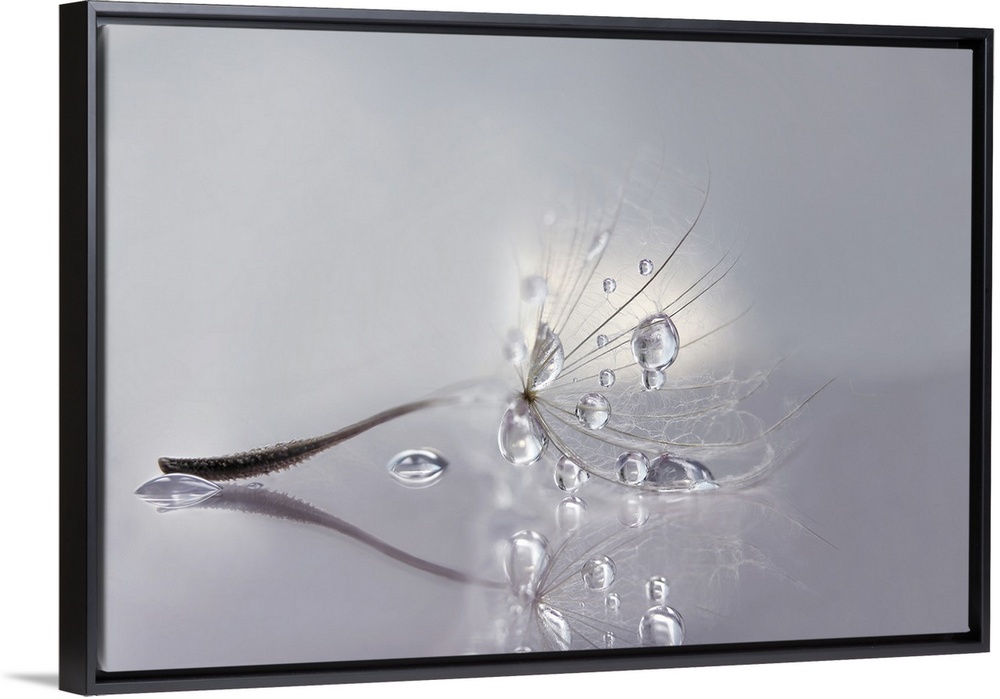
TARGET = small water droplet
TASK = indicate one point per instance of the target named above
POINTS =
(556, 627)
(657, 588)
(645, 267)
(571, 513)
(569, 476)
(609, 639)
(515, 349)
(669, 473)
(653, 379)
(598, 245)
(609, 285)
(661, 626)
(417, 468)
(633, 512)
(593, 411)
(632, 467)
(522, 649)
(547, 358)
(534, 290)
(606, 378)
(255, 485)
(655, 342)
(521, 436)
(612, 602)
(524, 564)
(598, 573)
(176, 490)
(602, 340)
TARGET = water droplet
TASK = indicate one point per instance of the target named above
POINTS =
(598, 245)
(602, 340)
(521, 436)
(612, 602)
(522, 649)
(632, 467)
(653, 379)
(609, 639)
(569, 476)
(515, 349)
(255, 485)
(547, 359)
(657, 588)
(606, 378)
(661, 626)
(534, 290)
(609, 285)
(176, 490)
(417, 468)
(524, 564)
(655, 342)
(645, 267)
(571, 514)
(598, 573)
(669, 473)
(633, 512)
(556, 627)
(593, 411)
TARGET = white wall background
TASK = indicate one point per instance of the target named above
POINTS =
(29, 279)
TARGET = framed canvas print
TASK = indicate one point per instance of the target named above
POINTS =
(404, 345)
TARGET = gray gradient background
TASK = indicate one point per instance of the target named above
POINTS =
(305, 227)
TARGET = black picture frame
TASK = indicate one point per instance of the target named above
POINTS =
(81, 359)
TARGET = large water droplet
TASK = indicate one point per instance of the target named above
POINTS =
(602, 340)
(515, 349)
(657, 588)
(524, 564)
(593, 411)
(534, 290)
(571, 513)
(668, 473)
(176, 490)
(417, 468)
(569, 476)
(645, 267)
(556, 627)
(521, 436)
(547, 358)
(609, 285)
(598, 245)
(633, 512)
(653, 379)
(661, 626)
(598, 573)
(655, 342)
(612, 602)
(632, 467)
(606, 378)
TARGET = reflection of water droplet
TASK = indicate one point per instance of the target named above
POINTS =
(606, 378)
(527, 556)
(655, 342)
(602, 340)
(609, 285)
(593, 411)
(609, 639)
(176, 490)
(598, 573)
(633, 512)
(597, 246)
(534, 290)
(547, 359)
(657, 588)
(556, 627)
(612, 602)
(667, 473)
(255, 485)
(653, 379)
(417, 468)
(571, 514)
(569, 476)
(632, 467)
(515, 349)
(521, 436)
(661, 626)
(522, 649)
(645, 267)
